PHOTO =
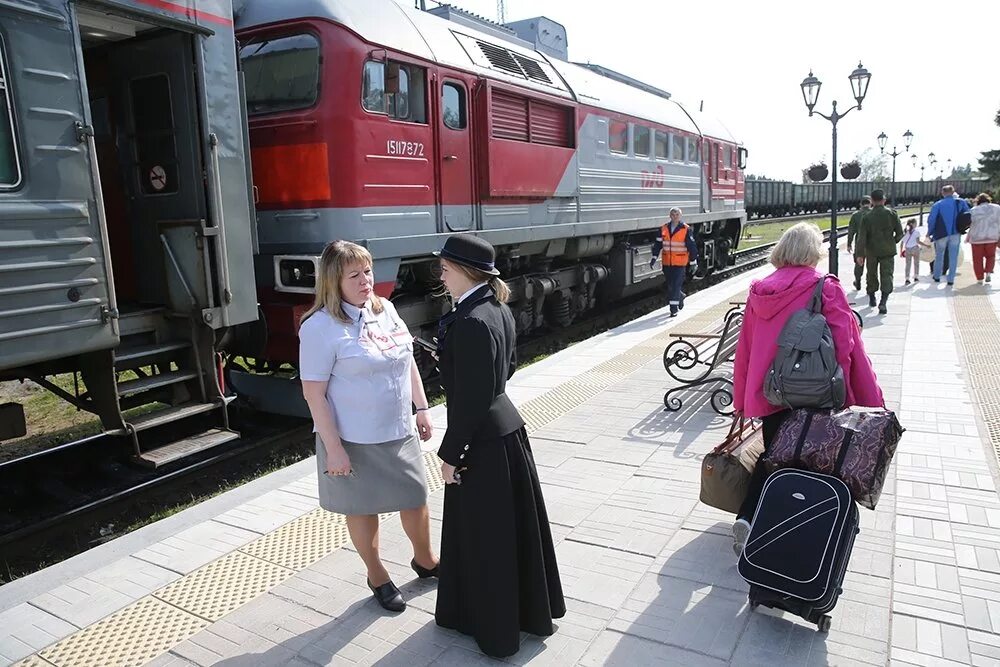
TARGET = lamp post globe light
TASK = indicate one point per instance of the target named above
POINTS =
(811, 85)
(882, 140)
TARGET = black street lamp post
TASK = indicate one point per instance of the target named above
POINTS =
(859, 79)
(931, 160)
(882, 139)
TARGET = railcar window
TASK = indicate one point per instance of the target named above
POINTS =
(661, 141)
(395, 89)
(282, 74)
(10, 171)
(727, 157)
(676, 148)
(640, 140)
(692, 150)
(618, 137)
(453, 106)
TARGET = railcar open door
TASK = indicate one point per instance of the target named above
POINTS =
(456, 184)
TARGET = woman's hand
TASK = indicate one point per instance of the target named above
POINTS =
(424, 427)
(338, 463)
(448, 473)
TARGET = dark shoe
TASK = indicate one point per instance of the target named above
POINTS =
(882, 310)
(423, 572)
(937, 280)
(871, 301)
(951, 284)
(857, 285)
(388, 596)
(907, 282)
(673, 311)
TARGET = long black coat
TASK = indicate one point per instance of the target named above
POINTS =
(498, 574)
(477, 358)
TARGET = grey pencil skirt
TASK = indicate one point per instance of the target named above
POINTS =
(388, 477)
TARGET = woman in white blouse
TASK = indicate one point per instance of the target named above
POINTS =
(361, 382)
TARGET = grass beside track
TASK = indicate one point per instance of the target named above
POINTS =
(764, 232)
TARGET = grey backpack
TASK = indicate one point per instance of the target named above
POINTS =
(805, 372)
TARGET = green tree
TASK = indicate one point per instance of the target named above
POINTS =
(989, 163)
(874, 166)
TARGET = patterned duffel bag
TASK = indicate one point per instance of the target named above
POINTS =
(855, 444)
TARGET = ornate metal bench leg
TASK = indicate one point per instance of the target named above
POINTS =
(720, 397)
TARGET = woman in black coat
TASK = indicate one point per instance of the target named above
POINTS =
(498, 573)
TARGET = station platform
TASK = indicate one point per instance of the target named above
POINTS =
(261, 576)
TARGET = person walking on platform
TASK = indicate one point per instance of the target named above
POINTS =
(677, 248)
(910, 249)
(361, 383)
(879, 233)
(942, 229)
(984, 234)
(852, 233)
(498, 565)
(770, 304)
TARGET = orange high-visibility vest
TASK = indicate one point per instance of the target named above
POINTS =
(675, 252)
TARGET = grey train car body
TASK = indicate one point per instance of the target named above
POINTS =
(126, 230)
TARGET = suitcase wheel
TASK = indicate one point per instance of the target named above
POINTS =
(824, 622)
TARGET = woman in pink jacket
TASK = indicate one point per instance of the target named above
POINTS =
(771, 302)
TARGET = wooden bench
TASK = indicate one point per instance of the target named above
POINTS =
(704, 354)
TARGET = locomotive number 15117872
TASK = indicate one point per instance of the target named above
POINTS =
(407, 148)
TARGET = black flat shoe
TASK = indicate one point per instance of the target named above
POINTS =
(388, 596)
(423, 572)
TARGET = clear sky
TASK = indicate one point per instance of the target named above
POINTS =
(934, 68)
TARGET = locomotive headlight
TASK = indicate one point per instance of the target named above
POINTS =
(295, 274)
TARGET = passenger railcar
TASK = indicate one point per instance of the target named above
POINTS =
(126, 228)
(395, 127)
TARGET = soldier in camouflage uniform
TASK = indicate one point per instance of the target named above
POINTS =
(852, 233)
(879, 234)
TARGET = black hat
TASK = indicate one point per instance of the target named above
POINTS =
(878, 195)
(470, 251)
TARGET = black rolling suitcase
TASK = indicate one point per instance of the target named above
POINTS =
(800, 541)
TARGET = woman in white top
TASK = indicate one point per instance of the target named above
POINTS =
(910, 249)
(361, 382)
(984, 233)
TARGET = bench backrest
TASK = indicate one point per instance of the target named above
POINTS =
(726, 351)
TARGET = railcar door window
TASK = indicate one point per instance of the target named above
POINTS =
(661, 141)
(395, 89)
(618, 137)
(640, 141)
(676, 148)
(453, 106)
(10, 170)
(281, 74)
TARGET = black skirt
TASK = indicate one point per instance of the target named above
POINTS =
(498, 573)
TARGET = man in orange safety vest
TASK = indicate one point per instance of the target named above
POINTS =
(676, 248)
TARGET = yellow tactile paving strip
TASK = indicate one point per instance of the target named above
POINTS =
(156, 623)
(979, 331)
(131, 637)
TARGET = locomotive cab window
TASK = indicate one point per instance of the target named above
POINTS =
(453, 106)
(395, 89)
(692, 150)
(281, 74)
(10, 170)
(640, 140)
(618, 137)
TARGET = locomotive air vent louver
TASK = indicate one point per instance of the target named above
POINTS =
(501, 59)
(532, 69)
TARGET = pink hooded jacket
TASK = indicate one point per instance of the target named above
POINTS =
(771, 302)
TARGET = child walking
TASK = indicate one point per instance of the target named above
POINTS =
(909, 248)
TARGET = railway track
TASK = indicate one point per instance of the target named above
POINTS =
(64, 500)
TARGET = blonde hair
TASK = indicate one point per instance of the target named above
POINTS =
(337, 257)
(800, 245)
(984, 198)
(499, 287)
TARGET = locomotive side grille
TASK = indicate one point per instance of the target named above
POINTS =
(532, 69)
(550, 125)
(510, 116)
(501, 59)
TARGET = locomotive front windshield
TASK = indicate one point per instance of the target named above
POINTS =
(282, 74)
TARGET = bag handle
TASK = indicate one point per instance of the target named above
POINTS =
(736, 436)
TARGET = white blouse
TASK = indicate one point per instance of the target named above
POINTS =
(366, 364)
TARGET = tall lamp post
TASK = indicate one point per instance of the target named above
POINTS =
(918, 162)
(882, 139)
(859, 79)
